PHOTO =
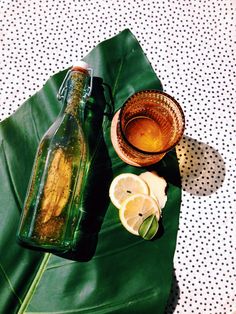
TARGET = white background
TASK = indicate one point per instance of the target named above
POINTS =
(191, 46)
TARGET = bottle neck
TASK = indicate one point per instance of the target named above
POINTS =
(77, 90)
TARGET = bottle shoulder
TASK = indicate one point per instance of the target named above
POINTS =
(66, 133)
(62, 123)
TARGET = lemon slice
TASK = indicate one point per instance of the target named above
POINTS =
(125, 185)
(157, 186)
(136, 209)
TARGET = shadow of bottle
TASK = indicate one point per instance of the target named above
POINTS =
(202, 168)
(173, 296)
(95, 201)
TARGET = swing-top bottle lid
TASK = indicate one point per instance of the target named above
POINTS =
(80, 65)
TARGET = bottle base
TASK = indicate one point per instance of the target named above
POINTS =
(30, 244)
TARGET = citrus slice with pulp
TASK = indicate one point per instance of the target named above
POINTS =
(137, 208)
(125, 185)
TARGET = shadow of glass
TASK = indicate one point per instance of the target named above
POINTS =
(167, 168)
(173, 297)
(95, 202)
(202, 168)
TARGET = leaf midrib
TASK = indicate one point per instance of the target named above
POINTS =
(25, 302)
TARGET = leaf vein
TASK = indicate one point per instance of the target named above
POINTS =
(117, 78)
(10, 284)
(9, 174)
(34, 124)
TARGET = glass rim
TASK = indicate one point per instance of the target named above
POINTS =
(156, 92)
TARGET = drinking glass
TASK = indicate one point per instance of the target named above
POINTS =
(148, 125)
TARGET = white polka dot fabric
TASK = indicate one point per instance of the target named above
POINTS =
(191, 45)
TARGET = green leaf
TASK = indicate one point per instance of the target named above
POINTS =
(149, 228)
(123, 274)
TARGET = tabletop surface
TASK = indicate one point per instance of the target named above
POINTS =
(191, 46)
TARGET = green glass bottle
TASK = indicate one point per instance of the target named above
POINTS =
(50, 215)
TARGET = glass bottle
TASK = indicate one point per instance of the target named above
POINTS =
(50, 215)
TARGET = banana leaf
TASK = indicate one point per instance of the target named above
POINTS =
(123, 273)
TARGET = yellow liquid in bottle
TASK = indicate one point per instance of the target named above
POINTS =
(145, 134)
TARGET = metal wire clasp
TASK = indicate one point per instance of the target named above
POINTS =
(63, 87)
(90, 70)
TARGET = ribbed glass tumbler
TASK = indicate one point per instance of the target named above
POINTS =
(148, 125)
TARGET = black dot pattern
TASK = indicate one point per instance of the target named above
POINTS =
(191, 46)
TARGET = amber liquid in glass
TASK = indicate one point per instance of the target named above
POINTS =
(147, 134)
